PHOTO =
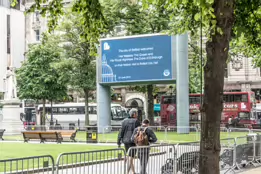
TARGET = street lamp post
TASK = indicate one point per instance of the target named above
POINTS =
(51, 122)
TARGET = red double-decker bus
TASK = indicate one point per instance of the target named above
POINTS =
(238, 105)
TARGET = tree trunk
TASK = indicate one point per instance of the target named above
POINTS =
(43, 118)
(150, 104)
(86, 108)
(217, 54)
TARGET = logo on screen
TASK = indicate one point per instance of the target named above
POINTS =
(106, 46)
(166, 72)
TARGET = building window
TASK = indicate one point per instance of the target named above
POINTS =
(37, 35)
(37, 16)
(5, 3)
(8, 35)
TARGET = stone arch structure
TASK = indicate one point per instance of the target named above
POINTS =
(131, 97)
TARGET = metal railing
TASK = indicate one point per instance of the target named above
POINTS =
(36, 164)
(151, 159)
(109, 134)
(103, 161)
(235, 154)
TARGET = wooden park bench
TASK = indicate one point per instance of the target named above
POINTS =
(2, 133)
(42, 136)
(69, 134)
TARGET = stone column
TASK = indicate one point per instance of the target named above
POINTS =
(182, 98)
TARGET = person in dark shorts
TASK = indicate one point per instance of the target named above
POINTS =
(128, 126)
(144, 152)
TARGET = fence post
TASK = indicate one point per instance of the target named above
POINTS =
(57, 164)
(175, 159)
(228, 132)
(166, 132)
(197, 133)
(254, 148)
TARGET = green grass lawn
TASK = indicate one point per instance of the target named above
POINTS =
(17, 150)
(169, 137)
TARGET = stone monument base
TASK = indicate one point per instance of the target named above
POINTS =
(11, 117)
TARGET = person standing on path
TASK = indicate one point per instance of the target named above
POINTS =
(127, 129)
(143, 136)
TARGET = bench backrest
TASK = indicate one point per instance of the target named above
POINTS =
(31, 135)
(67, 132)
(49, 135)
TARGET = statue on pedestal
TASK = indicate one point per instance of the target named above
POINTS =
(10, 92)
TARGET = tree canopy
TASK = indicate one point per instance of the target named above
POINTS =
(37, 79)
(78, 64)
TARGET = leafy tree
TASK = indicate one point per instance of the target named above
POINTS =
(37, 79)
(195, 67)
(225, 20)
(78, 65)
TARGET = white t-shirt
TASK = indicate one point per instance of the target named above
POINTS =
(230, 121)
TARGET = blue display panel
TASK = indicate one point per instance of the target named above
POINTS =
(137, 59)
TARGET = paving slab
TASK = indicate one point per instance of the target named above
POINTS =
(252, 171)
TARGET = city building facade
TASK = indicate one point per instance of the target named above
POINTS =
(12, 43)
(243, 75)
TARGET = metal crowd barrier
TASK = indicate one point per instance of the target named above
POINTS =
(227, 154)
(187, 158)
(92, 162)
(36, 164)
(154, 159)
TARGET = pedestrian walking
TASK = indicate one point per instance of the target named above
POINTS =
(127, 128)
(143, 136)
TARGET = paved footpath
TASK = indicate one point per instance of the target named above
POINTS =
(253, 171)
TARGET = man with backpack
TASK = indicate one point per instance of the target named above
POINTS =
(143, 136)
(128, 126)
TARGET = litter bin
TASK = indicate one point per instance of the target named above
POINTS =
(71, 126)
(92, 135)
